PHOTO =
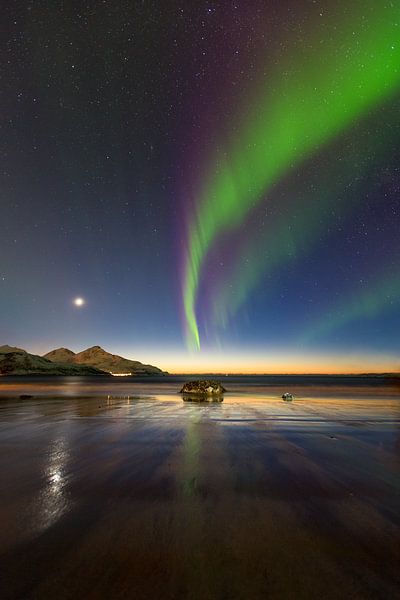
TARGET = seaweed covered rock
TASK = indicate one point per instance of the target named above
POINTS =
(203, 388)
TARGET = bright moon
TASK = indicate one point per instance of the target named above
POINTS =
(79, 302)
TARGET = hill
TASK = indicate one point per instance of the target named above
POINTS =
(22, 363)
(98, 357)
(5, 349)
(61, 355)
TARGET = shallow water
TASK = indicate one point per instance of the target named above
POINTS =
(122, 490)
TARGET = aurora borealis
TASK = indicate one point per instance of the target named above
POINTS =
(218, 181)
(361, 304)
(319, 96)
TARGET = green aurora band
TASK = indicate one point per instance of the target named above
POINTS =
(321, 94)
(332, 194)
(366, 303)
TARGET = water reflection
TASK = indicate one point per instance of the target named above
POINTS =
(202, 398)
(91, 407)
(287, 397)
(199, 492)
(53, 501)
(191, 451)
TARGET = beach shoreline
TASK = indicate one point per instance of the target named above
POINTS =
(147, 496)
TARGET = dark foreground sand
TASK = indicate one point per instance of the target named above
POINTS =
(153, 498)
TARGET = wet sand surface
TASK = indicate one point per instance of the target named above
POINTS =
(149, 497)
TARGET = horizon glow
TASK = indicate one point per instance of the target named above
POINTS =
(284, 361)
(257, 361)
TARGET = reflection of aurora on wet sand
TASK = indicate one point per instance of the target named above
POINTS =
(191, 450)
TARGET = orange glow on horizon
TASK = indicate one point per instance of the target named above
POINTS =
(281, 363)
(247, 361)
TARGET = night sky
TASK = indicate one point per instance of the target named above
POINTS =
(218, 181)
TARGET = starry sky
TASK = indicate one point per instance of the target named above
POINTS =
(218, 181)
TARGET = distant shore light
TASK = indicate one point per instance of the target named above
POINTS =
(120, 374)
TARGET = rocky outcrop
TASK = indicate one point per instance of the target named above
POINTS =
(98, 357)
(23, 363)
(203, 388)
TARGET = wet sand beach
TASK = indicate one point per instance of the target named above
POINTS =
(145, 496)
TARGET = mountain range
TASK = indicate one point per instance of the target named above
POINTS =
(99, 358)
(62, 361)
(16, 361)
